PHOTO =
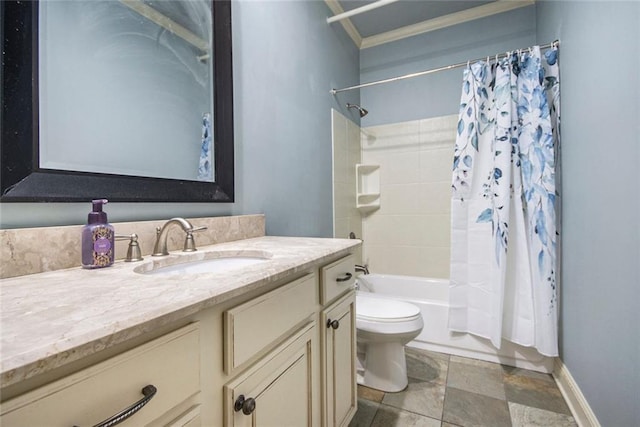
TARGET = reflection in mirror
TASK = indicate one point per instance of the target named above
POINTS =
(129, 100)
(124, 87)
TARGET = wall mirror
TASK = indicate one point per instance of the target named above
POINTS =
(130, 100)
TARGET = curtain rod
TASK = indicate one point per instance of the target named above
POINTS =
(555, 43)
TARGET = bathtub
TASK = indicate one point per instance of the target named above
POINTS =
(432, 297)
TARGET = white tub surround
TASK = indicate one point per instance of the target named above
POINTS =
(410, 232)
(51, 319)
(432, 296)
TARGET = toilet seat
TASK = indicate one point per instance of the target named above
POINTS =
(385, 310)
(387, 317)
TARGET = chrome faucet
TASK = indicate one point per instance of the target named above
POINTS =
(160, 248)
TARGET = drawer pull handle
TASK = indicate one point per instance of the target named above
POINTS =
(345, 278)
(246, 405)
(333, 324)
(148, 391)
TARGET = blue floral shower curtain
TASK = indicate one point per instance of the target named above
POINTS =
(504, 201)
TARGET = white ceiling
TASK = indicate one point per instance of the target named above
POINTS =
(398, 19)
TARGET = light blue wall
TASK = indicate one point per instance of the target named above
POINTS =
(600, 81)
(436, 94)
(286, 58)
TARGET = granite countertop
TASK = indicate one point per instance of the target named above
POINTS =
(50, 319)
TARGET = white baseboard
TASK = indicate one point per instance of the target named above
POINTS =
(579, 406)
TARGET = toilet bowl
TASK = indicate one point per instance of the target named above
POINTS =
(383, 328)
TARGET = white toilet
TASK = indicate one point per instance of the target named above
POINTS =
(383, 327)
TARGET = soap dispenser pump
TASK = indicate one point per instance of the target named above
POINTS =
(97, 238)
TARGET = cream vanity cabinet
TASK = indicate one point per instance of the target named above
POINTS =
(280, 355)
(309, 377)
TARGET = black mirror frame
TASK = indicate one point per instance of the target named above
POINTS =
(22, 179)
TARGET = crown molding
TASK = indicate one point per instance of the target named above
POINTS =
(440, 22)
(348, 26)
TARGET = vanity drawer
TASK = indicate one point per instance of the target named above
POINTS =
(170, 363)
(255, 325)
(337, 278)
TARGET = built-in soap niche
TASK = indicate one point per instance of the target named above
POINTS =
(367, 187)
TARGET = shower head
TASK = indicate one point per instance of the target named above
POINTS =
(362, 111)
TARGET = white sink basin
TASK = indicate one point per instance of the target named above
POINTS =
(213, 263)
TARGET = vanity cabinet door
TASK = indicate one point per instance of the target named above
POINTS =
(279, 390)
(339, 351)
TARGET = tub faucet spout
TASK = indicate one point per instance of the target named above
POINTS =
(362, 268)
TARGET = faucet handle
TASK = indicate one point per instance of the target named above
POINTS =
(133, 252)
(189, 241)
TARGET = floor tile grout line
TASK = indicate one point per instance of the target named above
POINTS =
(483, 395)
(506, 399)
(446, 387)
(374, 414)
(408, 411)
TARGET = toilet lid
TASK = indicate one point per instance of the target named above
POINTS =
(384, 309)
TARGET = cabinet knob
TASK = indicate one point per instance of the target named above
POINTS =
(247, 406)
(333, 324)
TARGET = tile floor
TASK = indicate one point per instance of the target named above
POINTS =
(450, 391)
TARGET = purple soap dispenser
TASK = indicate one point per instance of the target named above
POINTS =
(97, 238)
